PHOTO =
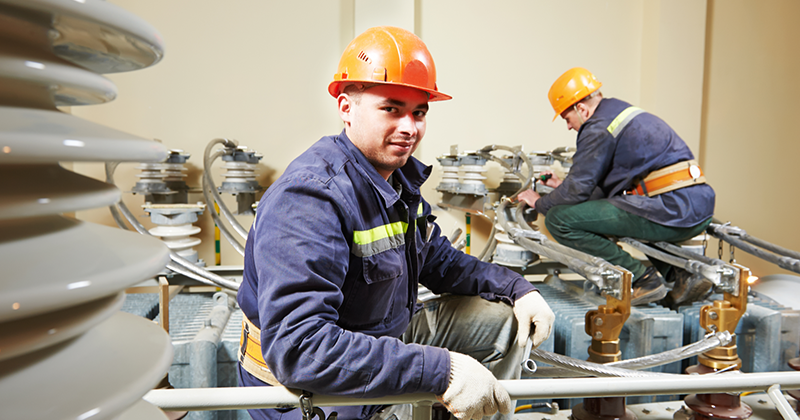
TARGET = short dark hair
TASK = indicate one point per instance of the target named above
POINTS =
(354, 90)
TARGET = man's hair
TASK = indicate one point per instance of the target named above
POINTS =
(591, 96)
(354, 90)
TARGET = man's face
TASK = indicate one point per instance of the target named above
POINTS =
(572, 118)
(385, 122)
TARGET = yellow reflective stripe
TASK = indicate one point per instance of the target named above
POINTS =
(621, 117)
(419, 210)
(363, 237)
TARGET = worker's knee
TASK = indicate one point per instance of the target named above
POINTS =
(557, 220)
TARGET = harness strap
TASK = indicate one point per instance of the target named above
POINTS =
(250, 355)
(670, 178)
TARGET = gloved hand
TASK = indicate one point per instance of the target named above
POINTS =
(473, 391)
(532, 309)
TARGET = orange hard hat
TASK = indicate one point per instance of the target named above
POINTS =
(572, 86)
(388, 55)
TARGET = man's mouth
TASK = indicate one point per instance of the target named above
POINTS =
(402, 144)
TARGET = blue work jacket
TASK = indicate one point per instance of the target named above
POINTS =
(613, 151)
(331, 271)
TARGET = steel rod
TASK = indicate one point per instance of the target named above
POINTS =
(780, 402)
(271, 397)
(674, 249)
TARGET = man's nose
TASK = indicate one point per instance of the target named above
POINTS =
(408, 124)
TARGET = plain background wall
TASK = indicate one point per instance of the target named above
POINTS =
(257, 71)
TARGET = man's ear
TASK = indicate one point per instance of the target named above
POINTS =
(583, 109)
(345, 103)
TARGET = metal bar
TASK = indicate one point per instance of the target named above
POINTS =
(674, 249)
(780, 402)
(710, 272)
(271, 397)
(655, 253)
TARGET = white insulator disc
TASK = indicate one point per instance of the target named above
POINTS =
(473, 176)
(473, 168)
(174, 231)
(177, 244)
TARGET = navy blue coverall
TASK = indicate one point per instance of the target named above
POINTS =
(332, 266)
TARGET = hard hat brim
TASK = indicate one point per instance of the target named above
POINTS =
(337, 86)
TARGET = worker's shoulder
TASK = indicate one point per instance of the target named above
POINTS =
(322, 161)
(610, 108)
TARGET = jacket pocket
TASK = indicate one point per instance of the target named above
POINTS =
(374, 299)
(387, 265)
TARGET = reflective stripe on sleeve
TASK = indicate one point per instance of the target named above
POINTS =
(623, 119)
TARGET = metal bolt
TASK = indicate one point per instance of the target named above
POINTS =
(762, 402)
(670, 409)
(713, 315)
(645, 411)
(598, 321)
(598, 335)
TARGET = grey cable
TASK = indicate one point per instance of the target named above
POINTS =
(491, 244)
(111, 167)
(781, 261)
(575, 369)
(180, 270)
(589, 368)
(207, 177)
(717, 339)
(737, 232)
(209, 204)
(586, 270)
(183, 262)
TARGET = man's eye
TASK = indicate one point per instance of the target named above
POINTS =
(420, 113)
(390, 109)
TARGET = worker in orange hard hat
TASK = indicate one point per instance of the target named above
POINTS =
(342, 241)
(632, 176)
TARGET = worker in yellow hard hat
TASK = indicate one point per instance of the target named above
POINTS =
(632, 176)
(342, 241)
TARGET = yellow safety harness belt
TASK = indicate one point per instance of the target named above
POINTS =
(250, 355)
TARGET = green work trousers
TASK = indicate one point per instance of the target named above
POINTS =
(587, 226)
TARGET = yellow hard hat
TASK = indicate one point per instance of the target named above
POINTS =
(572, 86)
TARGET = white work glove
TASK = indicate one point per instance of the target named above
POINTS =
(532, 309)
(473, 391)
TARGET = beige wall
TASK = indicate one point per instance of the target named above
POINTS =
(750, 147)
(256, 71)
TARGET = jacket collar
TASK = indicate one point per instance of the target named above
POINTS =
(412, 175)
